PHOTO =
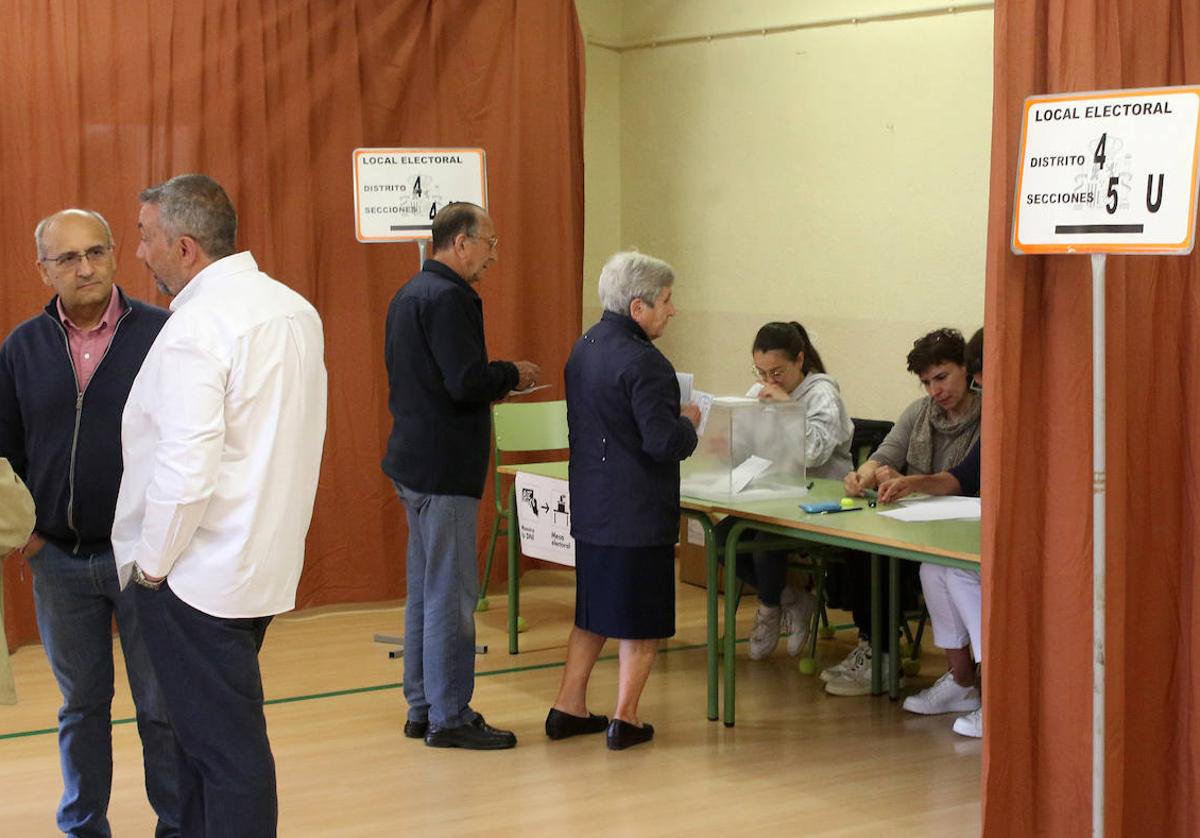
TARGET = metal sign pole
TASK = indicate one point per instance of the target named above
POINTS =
(1099, 568)
(421, 252)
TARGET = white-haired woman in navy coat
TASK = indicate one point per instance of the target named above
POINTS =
(628, 433)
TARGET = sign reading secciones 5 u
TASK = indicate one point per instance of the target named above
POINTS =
(398, 191)
(1108, 172)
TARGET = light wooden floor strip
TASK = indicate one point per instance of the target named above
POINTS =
(798, 760)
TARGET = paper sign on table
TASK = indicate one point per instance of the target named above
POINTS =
(544, 518)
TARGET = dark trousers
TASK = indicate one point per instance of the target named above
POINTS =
(765, 570)
(851, 589)
(207, 668)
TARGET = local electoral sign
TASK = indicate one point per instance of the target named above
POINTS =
(1108, 172)
(398, 191)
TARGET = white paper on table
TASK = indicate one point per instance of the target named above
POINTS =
(685, 387)
(750, 468)
(704, 402)
(695, 532)
(948, 508)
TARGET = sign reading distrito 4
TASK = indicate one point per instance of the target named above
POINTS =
(1108, 172)
(398, 191)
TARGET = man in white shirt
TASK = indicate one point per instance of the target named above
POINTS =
(222, 437)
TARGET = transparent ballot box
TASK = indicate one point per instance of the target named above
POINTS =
(748, 450)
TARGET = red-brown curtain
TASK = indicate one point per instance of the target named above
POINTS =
(105, 97)
(1037, 536)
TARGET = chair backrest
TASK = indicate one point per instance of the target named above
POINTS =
(868, 434)
(528, 426)
(531, 426)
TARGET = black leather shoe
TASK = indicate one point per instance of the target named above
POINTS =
(560, 725)
(622, 735)
(415, 730)
(474, 736)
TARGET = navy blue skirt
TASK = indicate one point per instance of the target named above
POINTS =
(625, 592)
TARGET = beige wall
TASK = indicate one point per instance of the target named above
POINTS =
(601, 20)
(834, 175)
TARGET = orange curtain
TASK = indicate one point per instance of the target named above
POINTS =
(270, 97)
(1037, 536)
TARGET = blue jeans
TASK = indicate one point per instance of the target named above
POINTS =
(208, 669)
(76, 599)
(439, 616)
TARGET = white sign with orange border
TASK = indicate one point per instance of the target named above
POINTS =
(1108, 172)
(398, 191)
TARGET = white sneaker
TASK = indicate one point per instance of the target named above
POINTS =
(970, 724)
(945, 696)
(849, 662)
(764, 637)
(799, 608)
(857, 680)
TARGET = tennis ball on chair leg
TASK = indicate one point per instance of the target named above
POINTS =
(482, 605)
(807, 666)
(910, 667)
(522, 625)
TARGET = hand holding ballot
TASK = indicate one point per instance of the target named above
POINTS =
(692, 411)
(527, 374)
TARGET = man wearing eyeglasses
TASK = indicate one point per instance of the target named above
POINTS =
(64, 378)
(441, 388)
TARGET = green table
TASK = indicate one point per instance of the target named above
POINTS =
(951, 543)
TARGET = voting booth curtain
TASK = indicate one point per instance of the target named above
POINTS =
(103, 98)
(1037, 525)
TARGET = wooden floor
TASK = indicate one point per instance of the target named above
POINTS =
(799, 761)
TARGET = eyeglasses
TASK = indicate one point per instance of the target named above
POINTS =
(776, 374)
(491, 241)
(975, 386)
(71, 259)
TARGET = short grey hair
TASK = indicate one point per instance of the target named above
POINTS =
(195, 205)
(629, 276)
(39, 232)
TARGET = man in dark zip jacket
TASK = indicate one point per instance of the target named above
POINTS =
(64, 378)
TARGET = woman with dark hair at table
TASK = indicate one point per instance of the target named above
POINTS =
(627, 434)
(953, 596)
(788, 368)
(933, 434)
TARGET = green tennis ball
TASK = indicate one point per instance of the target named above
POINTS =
(522, 625)
(847, 503)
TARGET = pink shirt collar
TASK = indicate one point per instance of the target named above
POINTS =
(107, 320)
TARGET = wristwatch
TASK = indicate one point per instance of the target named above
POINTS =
(140, 578)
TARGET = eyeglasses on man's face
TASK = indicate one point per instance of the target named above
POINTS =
(490, 241)
(72, 259)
